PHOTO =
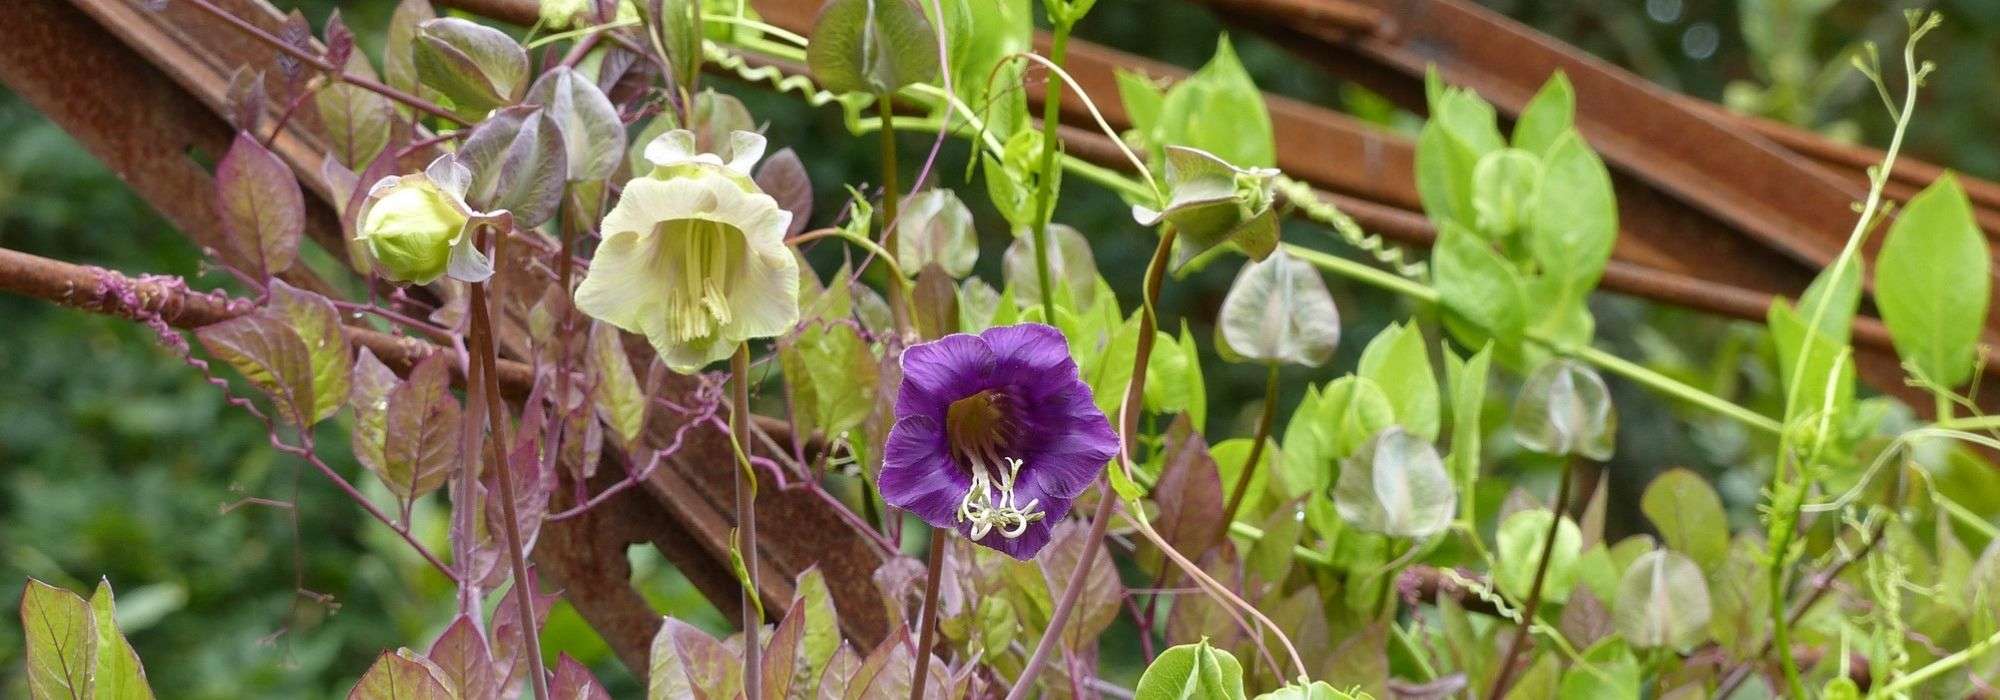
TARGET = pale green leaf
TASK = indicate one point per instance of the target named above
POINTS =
(1932, 283)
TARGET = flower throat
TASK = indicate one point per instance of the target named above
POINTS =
(700, 257)
(979, 428)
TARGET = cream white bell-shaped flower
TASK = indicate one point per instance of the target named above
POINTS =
(694, 255)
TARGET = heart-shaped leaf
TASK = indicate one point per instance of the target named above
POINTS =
(261, 208)
(872, 46)
(1396, 485)
(1278, 311)
(1662, 602)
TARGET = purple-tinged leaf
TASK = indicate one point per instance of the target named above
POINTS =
(318, 325)
(1442, 688)
(518, 164)
(261, 207)
(297, 33)
(1585, 619)
(400, 675)
(399, 66)
(1190, 494)
(574, 682)
(688, 663)
(1362, 660)
(61, 642)
(358, 122)
(506, 639)
(900, 581)
(716, 116)
(620, 401)
(593, 136)
(934, 303)
(886, 671)
(358, 256)
(153, 5)
(784, 666)
(339, 179)
(422, 430)
(269, 354)
(368, 394)
(477, 67)
(1196, 616)
(1101, 595)
(532, 485)
(339, 40)
(246, 99)
(784, 178)
(840, 670)
(467, 665)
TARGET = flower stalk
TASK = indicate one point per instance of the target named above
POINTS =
(746, 522)
(1242, 487)
(484, 352)
(1135, 393)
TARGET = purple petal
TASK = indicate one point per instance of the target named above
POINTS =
(940, 372)
(1029, 348)
(918, 475)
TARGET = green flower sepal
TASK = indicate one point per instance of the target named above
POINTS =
(1212, 202)
(418, 228)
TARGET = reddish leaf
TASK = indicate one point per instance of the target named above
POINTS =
(518, 163)
(261, 207)
(506, 639)
(574, 682)
(784, 178)
(339, 40)
(1101, 594)
(368, 395)
(934, 303)
(422, 430)
(839, 673)
(296, 33)
(399, 43)
(1189, 493)
(271, 356)
(246, 99)
(466, 662)
(783, 664)
(689, 663)
(532, 485)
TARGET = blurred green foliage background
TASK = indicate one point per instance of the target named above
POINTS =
(118, 461)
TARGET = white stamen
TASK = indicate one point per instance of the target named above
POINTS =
(988, 514)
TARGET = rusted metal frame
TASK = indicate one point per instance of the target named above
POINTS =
(1716, 162)
(199, 54)
(145, 123)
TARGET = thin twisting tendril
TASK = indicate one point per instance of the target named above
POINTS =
(1389, 254)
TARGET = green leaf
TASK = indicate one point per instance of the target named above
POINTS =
(620, 401)
(317, 324)
(1482, 293)
(1933, 279)
(61, 642)
(118, 675)
(268, 353)
(1564, 408)
(935, 227)
(1278, 311)
(1317, 690)
(981, 33)
(1824, 369)
(1518, 552)
(1689, 516)
(1467, 379)
(1143, 100)
(1270, 557)
(1460, 132)
(840, 370)
(1396, 485)
(1662, 602)
(1174, 383)
(1191, 671)
(1607, 671)
(686, 661)
(475, 67)
(872, 46)
(399, 675)
(1229, 457)
(1547, 117)
(261, 208)
(1575, 219)
(1218, 109)
(1072, 267)
(1355, 409)
(1397, 361)
(1503, 188)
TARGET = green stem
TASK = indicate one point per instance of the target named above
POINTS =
(1263, 434)
(1906, 682)
(1045, 185)
(891, 207)
(1672, 387)
(1534, 603)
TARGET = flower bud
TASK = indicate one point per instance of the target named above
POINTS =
(1565, 409)
(415, 225)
